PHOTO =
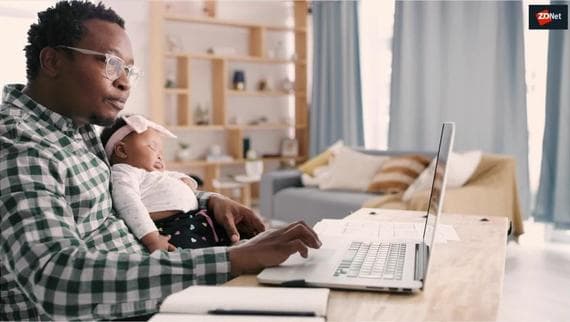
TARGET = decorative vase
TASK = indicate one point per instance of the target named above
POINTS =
(184, 153)
(253, 165)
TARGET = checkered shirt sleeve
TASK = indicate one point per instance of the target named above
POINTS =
(64, 254)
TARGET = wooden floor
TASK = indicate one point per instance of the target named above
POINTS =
(537, 279)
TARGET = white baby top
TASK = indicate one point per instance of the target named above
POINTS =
(137, 192)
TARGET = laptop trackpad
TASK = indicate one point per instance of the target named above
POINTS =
(296, 268)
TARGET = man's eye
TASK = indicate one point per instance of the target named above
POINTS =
(152, 147)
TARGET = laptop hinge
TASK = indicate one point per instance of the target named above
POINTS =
(422, 252)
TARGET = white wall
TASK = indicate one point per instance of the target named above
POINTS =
(135, 14)
(17, 16)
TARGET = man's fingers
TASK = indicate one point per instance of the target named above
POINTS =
(298, 246)
(299, 230)
(230, 227)
(256, 222)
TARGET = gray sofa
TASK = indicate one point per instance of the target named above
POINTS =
(491, 191)
(284, 198)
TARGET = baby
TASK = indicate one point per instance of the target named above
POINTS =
(159, 206)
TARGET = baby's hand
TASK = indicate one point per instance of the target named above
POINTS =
(154, 240)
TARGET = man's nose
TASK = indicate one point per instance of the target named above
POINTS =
(122, 82)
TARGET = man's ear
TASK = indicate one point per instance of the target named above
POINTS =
(50, 62)
(120, 150)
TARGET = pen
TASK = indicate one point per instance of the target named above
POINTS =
(256, 312)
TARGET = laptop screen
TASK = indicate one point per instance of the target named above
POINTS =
(439, 180)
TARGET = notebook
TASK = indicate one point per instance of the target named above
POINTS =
(349, 262)
(235, 303)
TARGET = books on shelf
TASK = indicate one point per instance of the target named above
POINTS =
(236, 303)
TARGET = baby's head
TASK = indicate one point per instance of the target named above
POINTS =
(136, 141)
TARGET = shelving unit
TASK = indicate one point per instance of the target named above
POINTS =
(220, 74)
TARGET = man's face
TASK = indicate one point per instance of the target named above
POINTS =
(88, 95)
(144, 150)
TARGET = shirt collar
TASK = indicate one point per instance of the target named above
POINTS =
(13, 95)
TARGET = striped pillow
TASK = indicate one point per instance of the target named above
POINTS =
(398, 173)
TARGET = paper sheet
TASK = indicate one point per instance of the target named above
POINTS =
(386, 231)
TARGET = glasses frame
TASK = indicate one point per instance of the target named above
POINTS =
(132, 72)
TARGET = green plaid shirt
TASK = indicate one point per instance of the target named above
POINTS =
(64, 254)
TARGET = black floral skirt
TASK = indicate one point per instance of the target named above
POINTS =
(194, 229)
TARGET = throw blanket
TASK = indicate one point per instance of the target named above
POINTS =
(491, 191)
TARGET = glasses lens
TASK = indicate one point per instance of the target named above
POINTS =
(114, 67)
(134, 75)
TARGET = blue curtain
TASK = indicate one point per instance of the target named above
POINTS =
(336, 109)
(553, 198)
(461, 62)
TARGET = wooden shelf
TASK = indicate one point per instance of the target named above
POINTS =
(258, 93)
(267, 126)
(203, 163)
(176, 91)
(247, 59)
(197, 127)
(253, 54)
(228, 23)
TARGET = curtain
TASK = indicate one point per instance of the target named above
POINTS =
(553, 198)
(461, 62)
(336, 110)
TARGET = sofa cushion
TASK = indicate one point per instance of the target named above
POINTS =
(461, 168)
(312, 204)
(351, 170)
(309, 166)
(397, 173)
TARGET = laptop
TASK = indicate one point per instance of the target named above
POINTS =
(348, 262)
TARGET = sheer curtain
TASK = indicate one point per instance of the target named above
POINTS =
(336, 111)
(449, 66)
(553, 199)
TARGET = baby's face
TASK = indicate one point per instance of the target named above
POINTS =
(144, 150)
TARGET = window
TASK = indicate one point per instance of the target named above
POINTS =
(376, 29)
(536, 53)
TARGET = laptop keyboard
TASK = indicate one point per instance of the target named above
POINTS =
(373, 260)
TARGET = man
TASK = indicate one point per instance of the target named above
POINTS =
(64, 254)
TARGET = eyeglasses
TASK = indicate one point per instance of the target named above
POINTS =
(114, 65)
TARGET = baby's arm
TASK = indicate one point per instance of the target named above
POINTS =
(154, 240)
(128, 203)
(185, 178)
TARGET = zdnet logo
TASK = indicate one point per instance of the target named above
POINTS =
(548, 16)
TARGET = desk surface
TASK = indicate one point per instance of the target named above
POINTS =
(465, 280)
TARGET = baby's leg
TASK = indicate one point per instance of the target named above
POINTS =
(193, 229)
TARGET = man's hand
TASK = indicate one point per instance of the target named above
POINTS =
(154, 240)
(232, 215)
(271, 248)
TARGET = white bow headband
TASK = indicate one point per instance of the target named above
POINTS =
(136, 123)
